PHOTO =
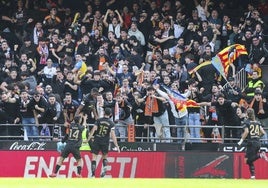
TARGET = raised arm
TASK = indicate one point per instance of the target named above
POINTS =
(108, 68)
(105, 23)
(204, 104)
(121, 21)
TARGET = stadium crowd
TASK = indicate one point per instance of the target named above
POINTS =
(63, 58)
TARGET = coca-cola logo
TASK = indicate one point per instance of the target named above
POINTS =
(27, 146)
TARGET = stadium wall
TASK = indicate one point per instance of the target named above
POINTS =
(37, 159)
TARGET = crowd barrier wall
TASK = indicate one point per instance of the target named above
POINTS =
(152, 160)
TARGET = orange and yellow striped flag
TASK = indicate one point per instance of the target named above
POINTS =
(229, 54)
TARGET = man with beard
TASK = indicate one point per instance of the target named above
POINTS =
(227, 115)
(54, 115)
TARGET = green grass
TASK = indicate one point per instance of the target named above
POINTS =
(129, 183)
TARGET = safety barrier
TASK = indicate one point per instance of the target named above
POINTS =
(240, 79)
(131, 136)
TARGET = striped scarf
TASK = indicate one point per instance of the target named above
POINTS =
(151, 106)
(260, 104)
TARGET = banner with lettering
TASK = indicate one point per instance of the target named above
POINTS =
(121, 165)
(36, 164)
(27, 145)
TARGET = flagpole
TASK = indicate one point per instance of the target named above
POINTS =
(229, 61)
(228, 83)
(226, 57)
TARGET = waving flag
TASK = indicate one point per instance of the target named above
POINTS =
(179, 100)
(180, 104)
(216, 62)
(173, 93)
(191, 103)
(227, 56)
(199, 66)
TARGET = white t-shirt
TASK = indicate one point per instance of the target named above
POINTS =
(50, 71)
(201, 13)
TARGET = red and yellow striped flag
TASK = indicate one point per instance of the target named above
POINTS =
(229, 54)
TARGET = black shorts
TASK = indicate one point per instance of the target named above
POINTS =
(253, 147)
(99, 146)
(74, 150)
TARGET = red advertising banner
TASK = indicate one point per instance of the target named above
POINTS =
(134, 165)
(241, 169)
(212, 165)
(199, 165)
(41, 164)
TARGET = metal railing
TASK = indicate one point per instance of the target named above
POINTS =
(240, 79)
(150, 137)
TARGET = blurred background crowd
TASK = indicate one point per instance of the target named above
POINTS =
(61, 58)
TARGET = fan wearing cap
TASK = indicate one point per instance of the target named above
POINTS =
(232, 91)
(144, 24)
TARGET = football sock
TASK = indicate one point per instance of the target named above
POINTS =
(93, 167)
(251, 169)
(79, 168)
(104, 162)
(57, 169)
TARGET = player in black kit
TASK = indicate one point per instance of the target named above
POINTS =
(252, 131)
(73, 143)
(102, 129)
